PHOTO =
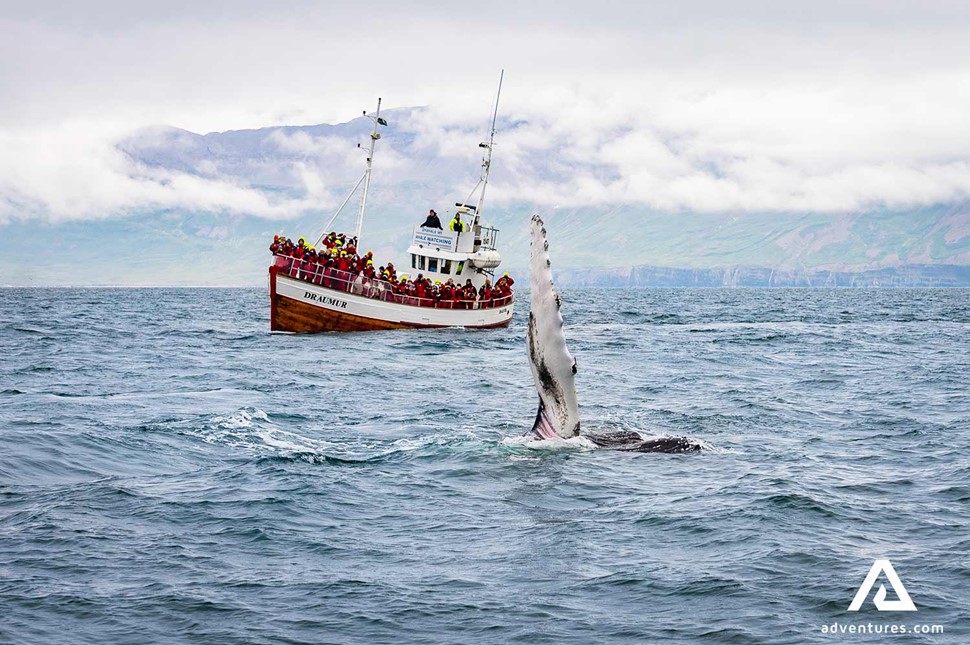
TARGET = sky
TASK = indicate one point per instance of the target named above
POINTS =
(683, 106)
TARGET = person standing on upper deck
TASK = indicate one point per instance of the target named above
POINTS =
(457, 224)
(432, 221)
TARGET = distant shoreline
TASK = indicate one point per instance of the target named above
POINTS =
(907, 276)
(923, 276)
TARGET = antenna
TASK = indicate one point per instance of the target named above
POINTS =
(487, 157)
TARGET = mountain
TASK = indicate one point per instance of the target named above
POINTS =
(306, 171)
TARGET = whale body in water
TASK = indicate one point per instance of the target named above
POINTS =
(554, 368)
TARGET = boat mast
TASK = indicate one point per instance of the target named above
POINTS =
(374, 136)
(487, 158)
(365, 179)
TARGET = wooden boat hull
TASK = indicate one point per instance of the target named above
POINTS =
(302, 307)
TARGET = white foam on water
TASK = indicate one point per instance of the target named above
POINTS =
(251, 428)
(573, 443)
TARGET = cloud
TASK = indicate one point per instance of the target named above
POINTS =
(700, 106)
(78, 172)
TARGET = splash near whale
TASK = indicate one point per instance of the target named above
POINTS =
(554, 368)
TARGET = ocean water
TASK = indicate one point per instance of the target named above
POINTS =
(171, 472)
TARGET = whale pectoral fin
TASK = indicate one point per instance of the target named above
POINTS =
(542, 427)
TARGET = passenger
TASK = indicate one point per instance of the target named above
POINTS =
(342, 271)
(455, 291)
(400, 289)
(285, 261)
(447, 294)
(485, 294)
(504, 288)
(432, 221)
(297, 265)
(421, 291)
(309, 264)
(410, 289)
(276, 248)
(469, 294)
(328, 270)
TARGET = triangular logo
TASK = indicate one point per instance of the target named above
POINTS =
(905, 603)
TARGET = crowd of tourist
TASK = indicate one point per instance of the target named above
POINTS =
(338, 265)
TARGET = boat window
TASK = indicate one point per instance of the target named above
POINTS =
(421, 262)
(414, 261)
(446, 266)
(432, 264)
(461, 267)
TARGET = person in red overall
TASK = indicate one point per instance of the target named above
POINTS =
(485, 295)
(276, 248)
(318, 268)
(455, 294)
(327, 271)
(421, 291)
(285, 259)
(447, 294)
(298, 254)
(504, 286)
(400, 289)
(342, 265)
(309, 263)
(410, 289)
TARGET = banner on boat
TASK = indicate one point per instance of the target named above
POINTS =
(444, 240)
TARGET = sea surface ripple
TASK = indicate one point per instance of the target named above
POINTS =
(172, 472)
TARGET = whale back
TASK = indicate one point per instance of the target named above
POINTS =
(553, 367)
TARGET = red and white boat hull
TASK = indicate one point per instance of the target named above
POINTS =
(300, 306)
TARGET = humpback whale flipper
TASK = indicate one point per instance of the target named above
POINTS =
(554, 368)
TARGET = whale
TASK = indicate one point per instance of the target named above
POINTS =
(554, 368)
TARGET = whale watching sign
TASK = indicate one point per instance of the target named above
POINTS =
(441, 240)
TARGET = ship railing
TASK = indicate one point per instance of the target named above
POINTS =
(487, 237)
(360, 285)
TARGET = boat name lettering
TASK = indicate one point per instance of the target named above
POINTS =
(327, 300)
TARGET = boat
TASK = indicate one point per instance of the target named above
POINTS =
(310, 296)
